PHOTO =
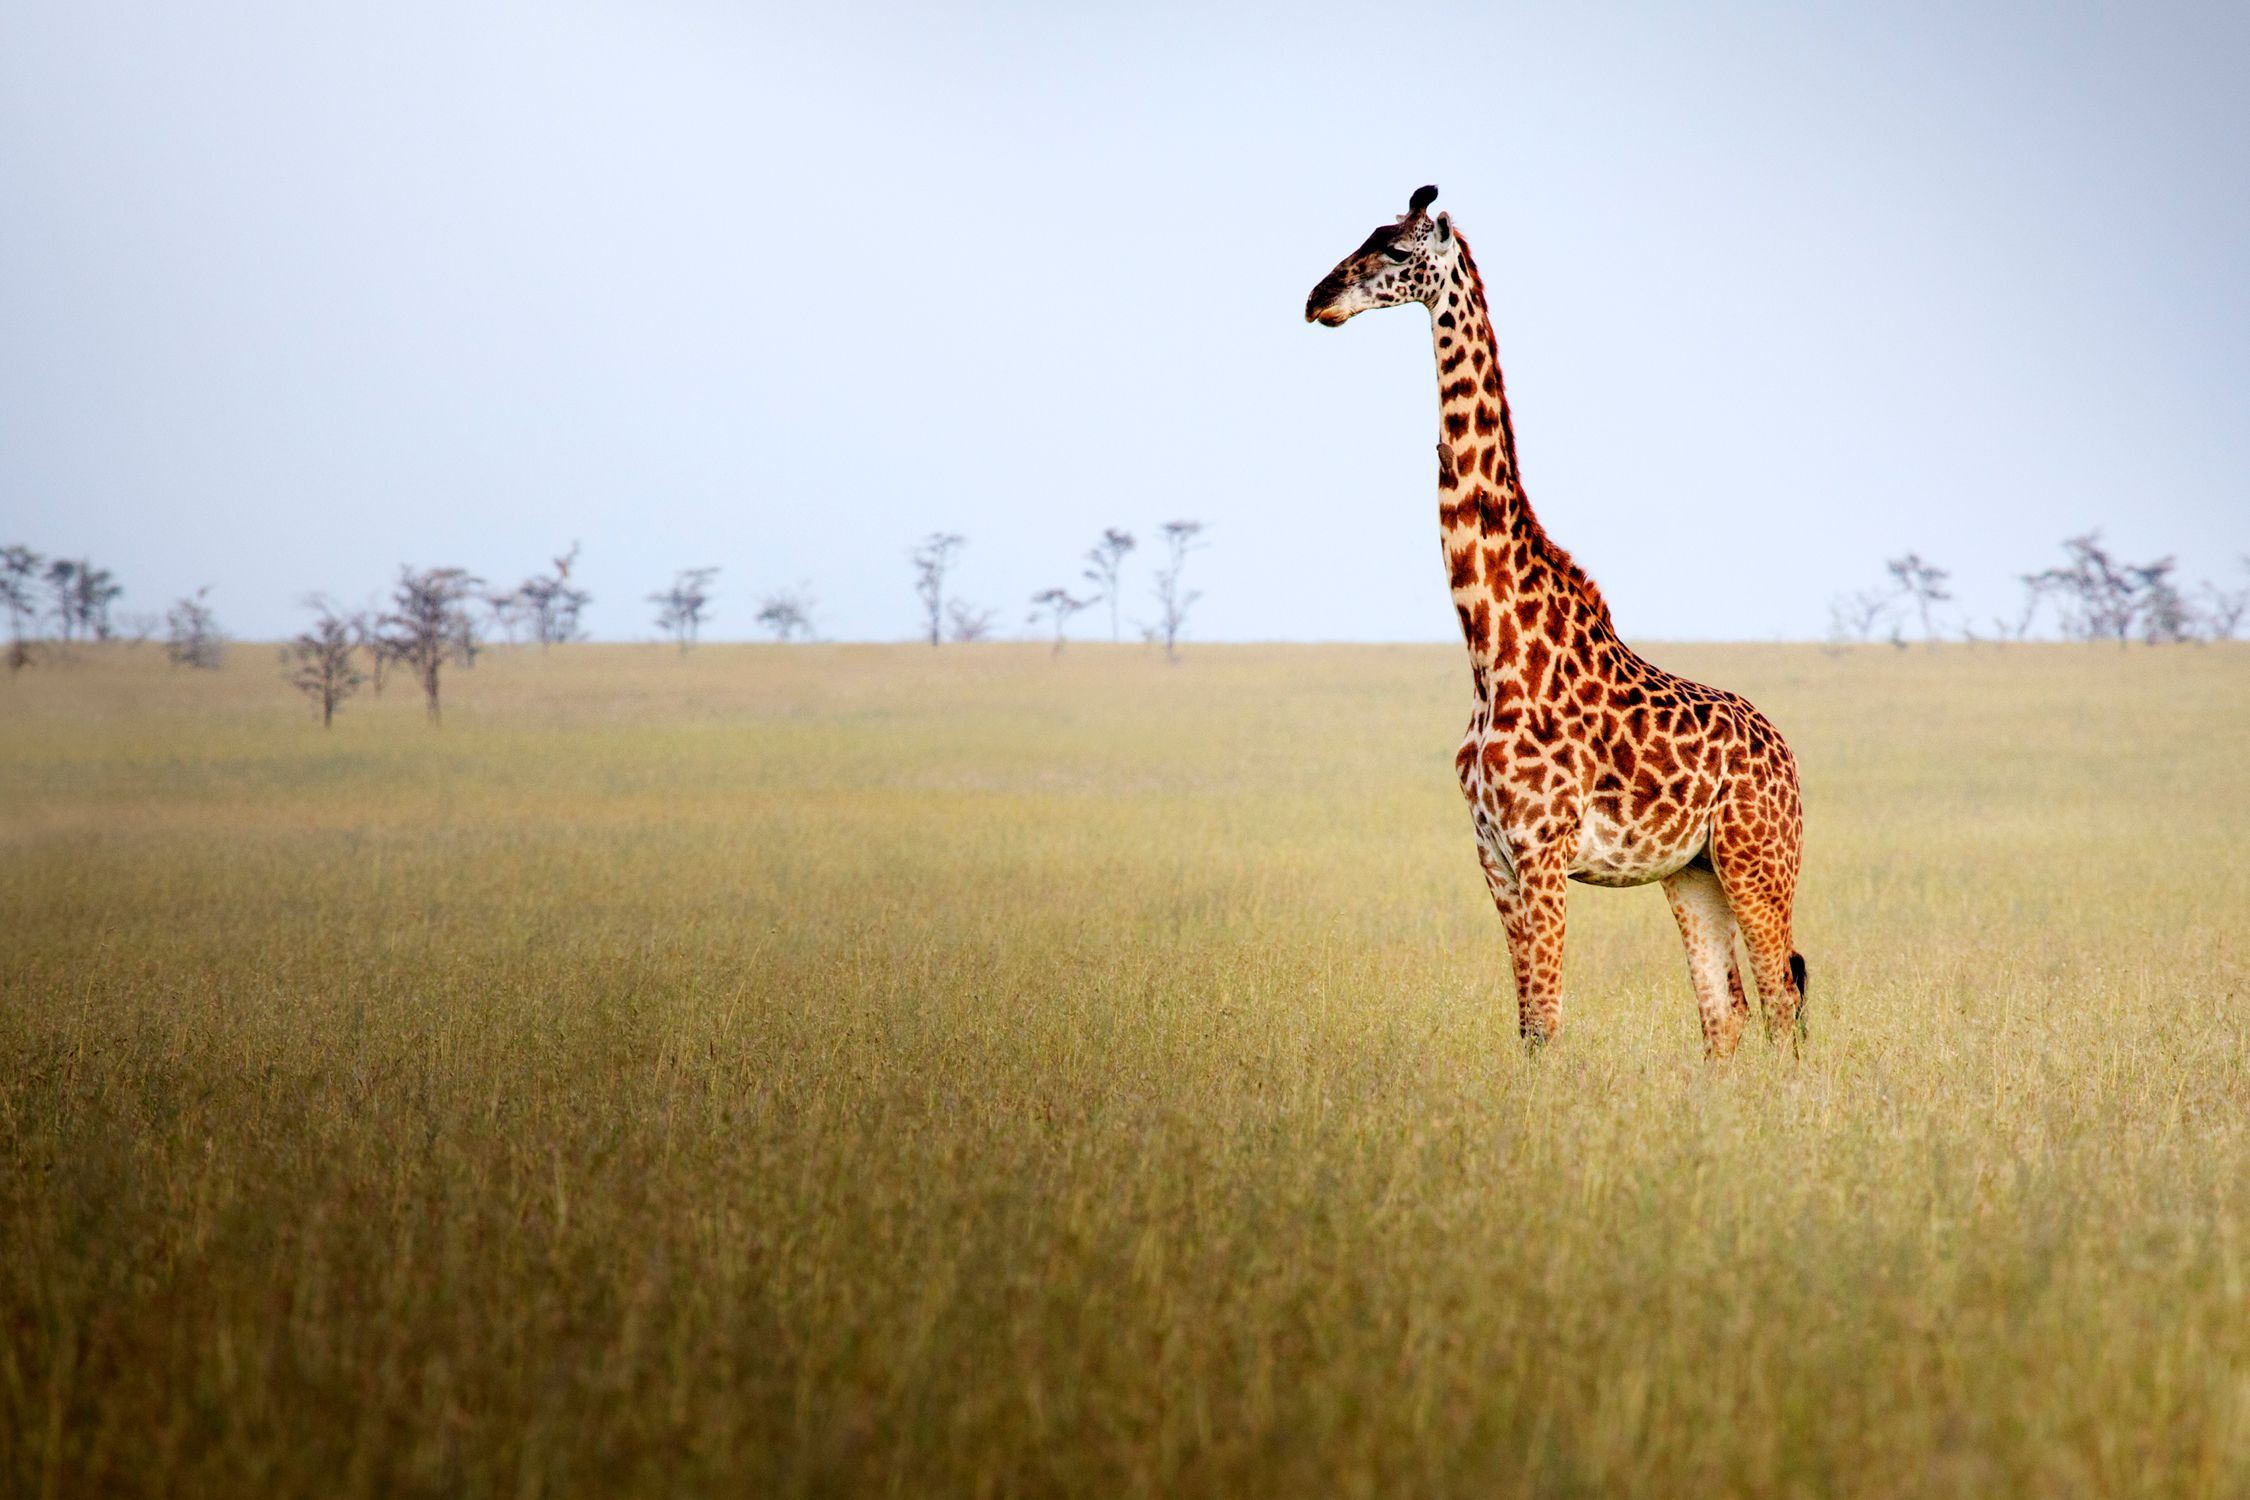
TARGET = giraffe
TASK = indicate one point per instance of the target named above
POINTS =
(1582, 761)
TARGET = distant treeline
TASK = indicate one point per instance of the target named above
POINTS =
(2092, 595)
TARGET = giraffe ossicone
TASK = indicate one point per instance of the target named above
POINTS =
(1582, 760)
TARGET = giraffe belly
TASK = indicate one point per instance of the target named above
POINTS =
(1614, 853)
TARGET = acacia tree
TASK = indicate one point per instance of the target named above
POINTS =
(82, 596)
(2095, 589)
(680, 608)
(932, 559)
(2101, 596)
(551, 603)
(429, 624)
(192, 635)
(1923, 584)
(787, 614)
(1057, 605)
(1173, 600)
(1106, 559)
(2165, 614)
(321, 664)
(19, 582)
(508, 610)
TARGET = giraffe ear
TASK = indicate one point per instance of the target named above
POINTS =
(1444, 227)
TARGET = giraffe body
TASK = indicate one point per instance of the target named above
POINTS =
(1582, 760)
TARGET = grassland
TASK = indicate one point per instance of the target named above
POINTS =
(847, 1071)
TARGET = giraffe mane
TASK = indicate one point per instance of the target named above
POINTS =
(1542, 546)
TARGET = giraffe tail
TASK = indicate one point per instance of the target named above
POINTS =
(1797, 977)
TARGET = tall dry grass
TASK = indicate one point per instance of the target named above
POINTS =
(852, 1070)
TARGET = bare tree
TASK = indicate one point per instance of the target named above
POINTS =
(19, 582)
(82, 595)
(367, 632)
(681, 607)
(429, 624)
(321, 664)
(1856, 617)
(1923, 583)
(2165, 614)
(192, 635)
(787, 614)
(2103, 597)
(2037, 588)
(551, 603)
(965, 622)
(932, 558)
(62, 578)
(1106, 559)
(1058, 606)
(2224, 608)
(2095, 593)
(1172, 599)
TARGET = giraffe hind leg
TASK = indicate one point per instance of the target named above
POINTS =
(1737, 996)
(1707, 929)
(1761, 908)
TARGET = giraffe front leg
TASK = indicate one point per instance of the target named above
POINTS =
(1533, 914)
(1500, 880)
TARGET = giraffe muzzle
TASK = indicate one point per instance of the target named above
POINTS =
(1320, 307)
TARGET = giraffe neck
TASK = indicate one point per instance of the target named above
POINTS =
(1510, 583)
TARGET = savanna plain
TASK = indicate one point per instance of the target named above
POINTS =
(849, 1070)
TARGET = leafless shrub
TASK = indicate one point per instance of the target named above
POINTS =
(965, 622)
(1857, 616)
(680, 608)
(2223, 608)
(192, 635)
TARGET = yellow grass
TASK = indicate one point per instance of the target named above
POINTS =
(861, 1070)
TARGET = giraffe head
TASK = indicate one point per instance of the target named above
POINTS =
(1401, 262)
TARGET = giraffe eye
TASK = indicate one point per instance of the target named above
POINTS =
(1397, 255)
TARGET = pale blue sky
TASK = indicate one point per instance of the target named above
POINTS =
(290, 294)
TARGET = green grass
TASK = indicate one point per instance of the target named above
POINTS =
(854, 1070)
